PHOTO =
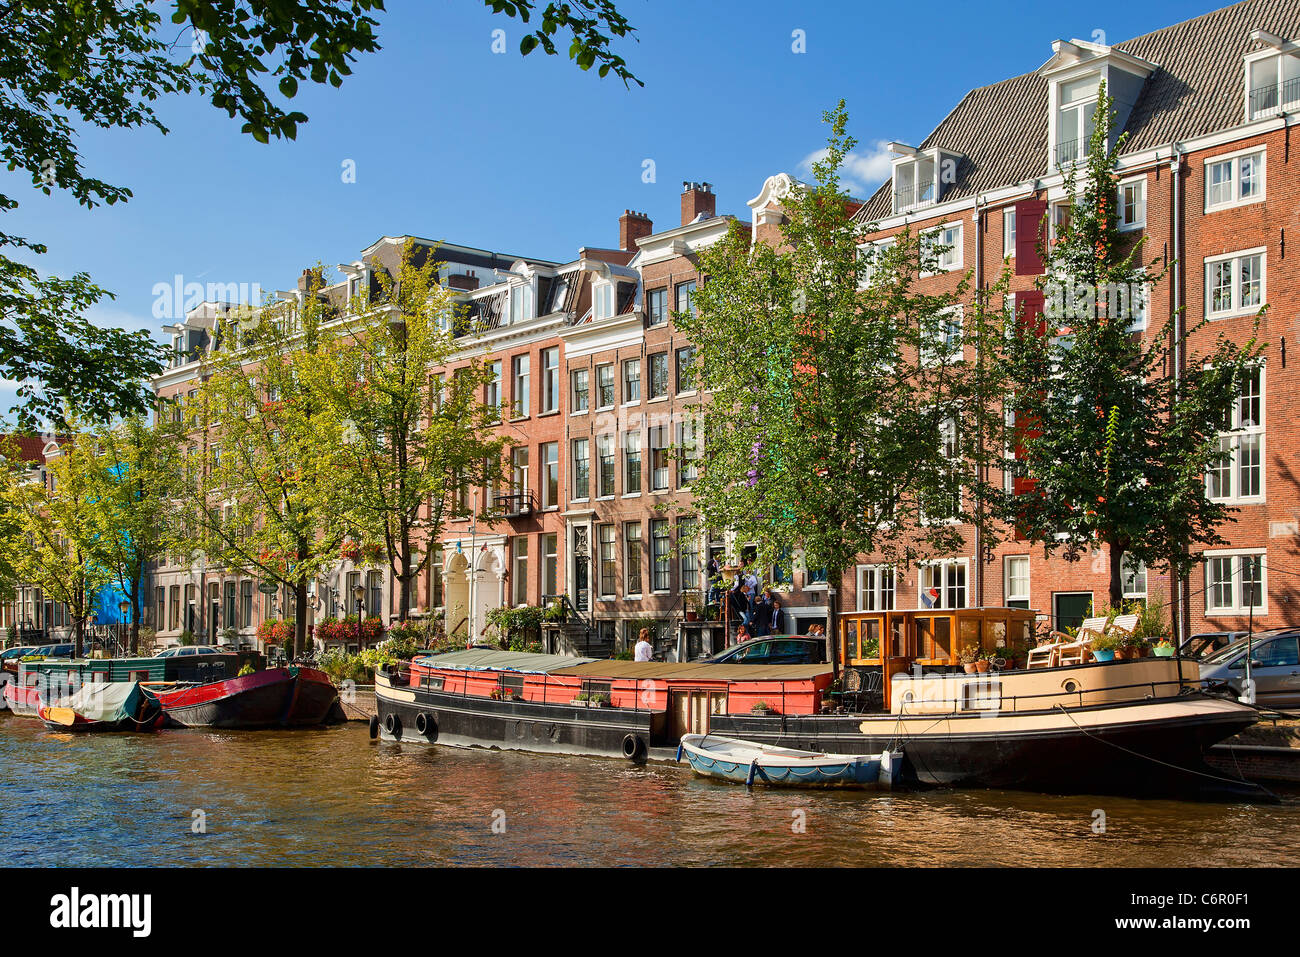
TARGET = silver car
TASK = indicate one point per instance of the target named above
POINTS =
(1274, 667)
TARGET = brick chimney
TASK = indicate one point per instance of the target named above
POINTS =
(697, 199)
(631, 227)
(462, 281)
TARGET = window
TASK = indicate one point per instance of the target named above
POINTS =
(632, 556)
(875, 587)
(945, 244)
(1234, 283)
(1009, 233)
(632, 462)
(1132, 204)
(436, 593)
(632, 380)
(493, 392)
(943, 583)
(660, 550)
(914, 183)
(1058, 220)
(604, 300)
(375, 581)
(160, 605)
(519, 570)
(608, 570)
(656, 305)
(551, 379)
(581, 469)
(550, 565)
(1009, 447)
(1133, 577)
(1239, 474)
(521, 302)
(581, 395)
(1139, 306)
(659, 458)
(685, 377)
(688, 454)
(519, 387)
(605, 386)
(659, 375)
(550, 452)
(1235, 583)
(246, 603)
(688, 547)
(686, 297)
(1274, 85)
(944, 338)
(605, 477)
(174, 609)
(519, 472)
(1234, 180)
(1075, 116)
(1016, 577)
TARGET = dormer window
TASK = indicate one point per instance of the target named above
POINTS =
(1274, 85)
(914, 183)
(1076, 116)
(604, 300)
(521, 302)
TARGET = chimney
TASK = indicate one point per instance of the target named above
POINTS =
(697, 200)
(310, 277)
(631, 227)
(462, 281)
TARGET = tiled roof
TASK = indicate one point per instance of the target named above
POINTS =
(31, 448)
(1197, 88)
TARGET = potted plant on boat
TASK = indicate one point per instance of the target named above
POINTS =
(1105, 646)
(968, 656)
(762, 707)
(1164, 648)
(983, 662)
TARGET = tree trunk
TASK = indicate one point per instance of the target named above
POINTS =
(300, 619)
(404, 582)
(1116, 576)
(834, 591)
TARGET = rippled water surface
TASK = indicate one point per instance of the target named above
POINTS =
(334, 797)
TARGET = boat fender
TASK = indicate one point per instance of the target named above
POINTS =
(633, 746)
(753, 769)
(393, 725)
(679, 753)
(426, 724)
(374, 726)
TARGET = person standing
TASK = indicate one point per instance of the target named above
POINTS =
(643, 648)
(762, 618)
(776, 618)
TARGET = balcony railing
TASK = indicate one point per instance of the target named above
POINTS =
(515, 504)
(1267, 100)
(907, 197)
(1067, 151)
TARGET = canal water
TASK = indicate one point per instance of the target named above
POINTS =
(334, 797)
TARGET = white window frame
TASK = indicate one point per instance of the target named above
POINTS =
(1230, 441)
(1080, 105)
(876, 589)
(550, 381)
(917, 166)
(872, 252)
(951, 260)
(1235, 307)
(1234, 556)
(943, 564)
(942, 348)
(1140, 214)
(1133, 570)
(520, 384)
(1009, 579)
(1009, 233)
(1235, 158)
(604, 296)
(1278, 82)
(522, 302)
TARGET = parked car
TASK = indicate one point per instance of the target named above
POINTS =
(773, 650)
(189, 651)
(63, 650)
(1274, 667)
(1206, 643)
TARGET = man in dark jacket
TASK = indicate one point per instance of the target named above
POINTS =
(776, 618)
(762, 617)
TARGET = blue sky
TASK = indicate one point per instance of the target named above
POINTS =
(530, 155)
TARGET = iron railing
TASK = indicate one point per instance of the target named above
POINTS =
(1265, 100)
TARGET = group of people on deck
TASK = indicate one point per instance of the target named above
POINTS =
(759, 613)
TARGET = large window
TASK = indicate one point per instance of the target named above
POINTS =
(943, 583)
(1133, 577)
(550, 564)
(943, 342)
(608, 564)
(581, 469)
(519, 569)
(581, 393)
(493, 392)
(632, 556)
(1132, 204)
(1239, 474)
(632, 380)
(1234, 180)
(914, 183)
(551, 379)
(519, 471)
(688, 453)
(688, 548)
(605, 395)
(605, 475)
(686, 297)
(660, 555)
(658, 375)
(659, 453)
(1016, 578)
(1009, 232)
(946, 245)
(876, 585)
(246, 603)
(519, 386)
(1235, 583)
(1234, 283)
(1274, 85)
(1075, 117)
(550, 452)
(656, 305)
(685, 377)
(632, 462)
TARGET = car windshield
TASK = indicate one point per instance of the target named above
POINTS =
(1232, 651)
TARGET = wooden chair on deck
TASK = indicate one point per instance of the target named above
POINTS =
(1076, 652)
(1049, 654)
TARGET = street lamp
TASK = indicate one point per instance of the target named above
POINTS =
(358, 592)
(123, 606)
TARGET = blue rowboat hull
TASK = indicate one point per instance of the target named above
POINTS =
(820, 772)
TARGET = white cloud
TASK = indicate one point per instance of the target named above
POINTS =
(862, 172)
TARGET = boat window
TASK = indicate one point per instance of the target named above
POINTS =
(969, 629)
(924, 638)
(431, 682)
(513, 684)
(943, 637)
(982, 694)
(851, 638)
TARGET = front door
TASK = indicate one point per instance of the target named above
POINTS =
(1070, 608)
(581, 568)
(690, 711)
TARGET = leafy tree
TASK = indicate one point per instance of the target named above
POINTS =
(839, 398)
(107, 63)
(262, 485)
(409, 438)
(56, 548)
(1116, 448)
(133, 484)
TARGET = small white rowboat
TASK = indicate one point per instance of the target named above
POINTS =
(751, 763)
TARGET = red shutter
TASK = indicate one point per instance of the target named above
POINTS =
(1030, 218)
(1029, 316)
